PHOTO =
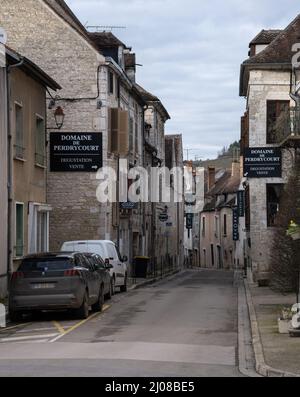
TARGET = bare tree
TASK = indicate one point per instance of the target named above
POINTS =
(285, 258)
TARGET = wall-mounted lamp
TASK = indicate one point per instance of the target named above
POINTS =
(59, 117)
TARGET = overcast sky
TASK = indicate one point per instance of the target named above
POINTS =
(191, 51)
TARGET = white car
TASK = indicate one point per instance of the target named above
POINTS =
(110, 253)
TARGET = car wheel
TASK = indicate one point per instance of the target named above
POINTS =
(83, 311)
(109, 294)
(113, 286)
(15, 317)
(98, 306)
(124, 287)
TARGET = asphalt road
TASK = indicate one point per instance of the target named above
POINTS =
(185, 326)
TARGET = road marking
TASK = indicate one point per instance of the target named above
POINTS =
(66, 332)
(26, 338)
(26, 331)
(59, 328)
(14, 327)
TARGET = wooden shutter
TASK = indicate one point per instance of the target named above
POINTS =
(114, 140)
(123, 132)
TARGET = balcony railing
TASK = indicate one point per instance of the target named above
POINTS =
(286, 128)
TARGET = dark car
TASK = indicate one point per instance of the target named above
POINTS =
(59, 281)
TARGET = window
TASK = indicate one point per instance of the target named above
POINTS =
(136, 135)
(110, 82)
(212, 255)
(203, 226)
(204, 257)
(277, 117)
(216, 226)
(42, 231)
(225, 225)
(40, 143)
(19, 138)
(19, 228)
(273, 201)
(131, 134)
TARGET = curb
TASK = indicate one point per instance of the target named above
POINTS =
(261, 367)
(153, 280)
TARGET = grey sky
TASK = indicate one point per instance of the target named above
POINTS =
(191, 53)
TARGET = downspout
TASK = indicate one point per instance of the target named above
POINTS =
(10, 172)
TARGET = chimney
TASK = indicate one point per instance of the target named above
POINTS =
(211, 177)
(235, 169)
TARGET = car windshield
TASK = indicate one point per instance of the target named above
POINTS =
(47, 263)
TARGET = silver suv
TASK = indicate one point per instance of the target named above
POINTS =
(59, 281)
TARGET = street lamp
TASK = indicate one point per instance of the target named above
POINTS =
(59, 117)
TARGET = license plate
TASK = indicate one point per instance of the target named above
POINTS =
(43, 286)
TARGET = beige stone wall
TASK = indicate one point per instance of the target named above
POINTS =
(3, 183)
(263, 86)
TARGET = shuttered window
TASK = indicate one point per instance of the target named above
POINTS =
(40, 141)
(19, 130)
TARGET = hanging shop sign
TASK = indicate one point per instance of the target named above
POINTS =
(263, 162)
(189, 221)
(76, 152)
(235, 227)
(241, 203)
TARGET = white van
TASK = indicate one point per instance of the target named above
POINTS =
(109, 252)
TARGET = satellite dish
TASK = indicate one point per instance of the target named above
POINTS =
(3, 36)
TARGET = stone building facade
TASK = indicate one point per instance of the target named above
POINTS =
(217, 242)
(267, 81)
(26, 213)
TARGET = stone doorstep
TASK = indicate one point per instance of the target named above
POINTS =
(261, 366)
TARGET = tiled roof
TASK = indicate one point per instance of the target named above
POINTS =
(106, 39)
(277, 55)
(266, 36)
(280, 49)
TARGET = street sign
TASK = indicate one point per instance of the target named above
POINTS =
(128, 206)
(235, 227)
(241, 203)
(163, 217)
(263, 162)
(189, 221)
(76, 152)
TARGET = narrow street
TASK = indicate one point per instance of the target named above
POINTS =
(184, 326)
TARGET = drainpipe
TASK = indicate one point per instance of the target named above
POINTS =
(10, 171)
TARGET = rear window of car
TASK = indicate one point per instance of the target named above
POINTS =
(51, 264)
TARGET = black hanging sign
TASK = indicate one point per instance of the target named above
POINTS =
(76, 152)
(241, 203)
(263, 162)
(235, 219)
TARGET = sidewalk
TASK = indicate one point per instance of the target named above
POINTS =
(135, 283)
(276, 355)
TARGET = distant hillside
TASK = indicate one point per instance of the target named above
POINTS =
(224, 160)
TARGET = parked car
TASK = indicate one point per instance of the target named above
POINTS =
(111, 255)
(59, 281)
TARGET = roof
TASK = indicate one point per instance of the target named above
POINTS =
(105, 40)
(226, 184)
(265, 36)
(277, 55)
(151, 99)
(32, 69)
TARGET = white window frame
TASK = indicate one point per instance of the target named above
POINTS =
(18, 203)
(34, 209)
